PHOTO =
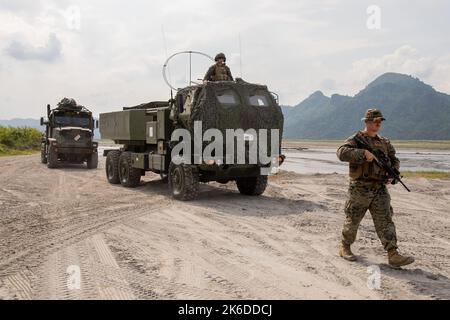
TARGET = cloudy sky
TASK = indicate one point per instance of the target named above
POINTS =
(108, 53)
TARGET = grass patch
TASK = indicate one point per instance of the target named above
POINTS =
(398, 144)
(19, 141)
(422, 144)
(426, 174)
(8, 152)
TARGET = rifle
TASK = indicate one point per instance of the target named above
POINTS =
(383, 161)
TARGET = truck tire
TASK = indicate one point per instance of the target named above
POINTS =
(129, 177)
(43, 154)
(92, 161)
(112, 167)
(52, 158)
(252, 186)
(183, 181)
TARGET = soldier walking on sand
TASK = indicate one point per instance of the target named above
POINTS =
(368, 191)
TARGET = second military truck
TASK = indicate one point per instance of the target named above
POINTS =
(69, 135)
(145, 133)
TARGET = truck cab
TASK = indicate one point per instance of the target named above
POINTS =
(69, 135)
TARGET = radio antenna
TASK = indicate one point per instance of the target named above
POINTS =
(190, 68)
(165, 49)
(166, 65)
(240, 54)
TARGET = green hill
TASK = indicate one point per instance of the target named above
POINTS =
(413, 109)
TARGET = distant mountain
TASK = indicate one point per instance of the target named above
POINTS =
(32, 123)
(413, 109)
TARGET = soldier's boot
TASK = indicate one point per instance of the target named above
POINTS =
(396, 260)
(346, 253)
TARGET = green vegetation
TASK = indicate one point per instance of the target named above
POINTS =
(426, 174)
(422, 144)
(398, 144)
(15, 141)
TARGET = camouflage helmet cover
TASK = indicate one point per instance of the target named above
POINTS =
(220, 56)
(373, 114)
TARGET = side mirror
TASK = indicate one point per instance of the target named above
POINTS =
(180, 103)
(96, 124)
(276, 97)
(42, 121)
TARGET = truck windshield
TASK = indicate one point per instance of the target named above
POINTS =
(227, 97)
(259, 99)
(69, 121)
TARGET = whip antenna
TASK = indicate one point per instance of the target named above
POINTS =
(165, 49)
(240, 55)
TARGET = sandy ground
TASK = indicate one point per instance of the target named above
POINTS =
(141, 244)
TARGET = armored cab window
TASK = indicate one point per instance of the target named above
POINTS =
(227, 97)
(259, 99)
(61, 120)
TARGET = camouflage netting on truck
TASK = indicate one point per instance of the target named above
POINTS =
(233, 105)
(69, 104)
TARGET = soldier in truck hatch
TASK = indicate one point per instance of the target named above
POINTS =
(219, 71)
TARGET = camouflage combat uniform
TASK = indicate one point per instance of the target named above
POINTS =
(218, 72)
(368, 191)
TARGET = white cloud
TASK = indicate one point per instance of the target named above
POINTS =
(49, 52)
(440, 76)
(405, 59)
(115, 57)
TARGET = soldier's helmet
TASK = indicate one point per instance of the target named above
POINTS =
(67, 102)
(220, 56)
(373, 114)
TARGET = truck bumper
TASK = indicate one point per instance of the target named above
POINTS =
(73, 150)
(228, 172)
